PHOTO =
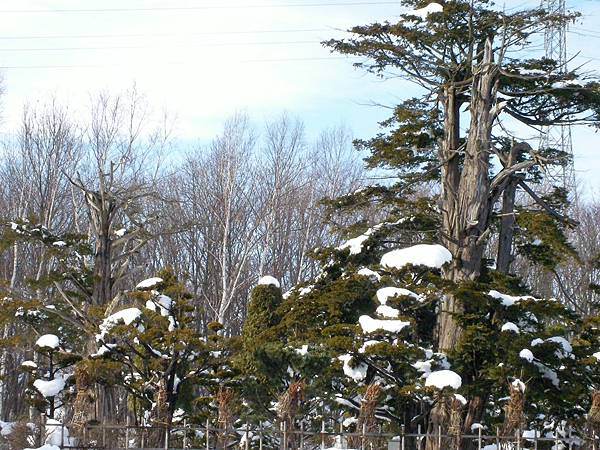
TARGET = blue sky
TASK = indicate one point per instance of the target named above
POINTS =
(202, 60)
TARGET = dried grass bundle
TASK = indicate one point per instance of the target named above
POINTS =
(290, 401)
(20, 436)
(514, 418)
(225, 399)
(83, 407)
(455, 421)
(366, 417)
(594, 414)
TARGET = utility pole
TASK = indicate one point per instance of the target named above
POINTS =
(559, 136)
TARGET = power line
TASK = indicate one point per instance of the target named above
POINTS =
(132, 47)
(192, 8)
(205, 33)
(171, 63)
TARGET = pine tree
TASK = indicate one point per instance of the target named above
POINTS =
(459, 314)
(152, 349)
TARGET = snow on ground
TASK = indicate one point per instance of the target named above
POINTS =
(268, 280)
(48, 341)
(368, 324)
(45, 447)
(56, 435)
(149, 283)
(444, 378)
(434, 256)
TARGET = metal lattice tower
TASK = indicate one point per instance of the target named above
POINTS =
(558, 136)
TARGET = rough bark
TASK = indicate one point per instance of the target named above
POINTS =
(466, 211)
(507, 221)
(468, 217)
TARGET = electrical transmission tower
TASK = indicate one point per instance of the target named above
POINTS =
(559, 136)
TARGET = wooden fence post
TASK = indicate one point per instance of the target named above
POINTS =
(362, 436)
(402, 437)
(207, 434)
(497, 438)
(126, 432)
(247, 442)
(260, 436)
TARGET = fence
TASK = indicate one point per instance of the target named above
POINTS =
(207, 437)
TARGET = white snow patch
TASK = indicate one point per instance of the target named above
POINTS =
(149, 283)
(566, 348)
(596, 355)
(349, 421)
(126, 316)
(357, 373)
(48, 341)
(45, 447)
(57, 435)
(368, 324)
(519, 385)
(444, 378)
(356, 244)
(365, 272)
(509, 326)
(161, 304)
(367, 344)
(29, 364)
(386, 293)
(434, 256)
(268, 280)
(387, 312)
(302, 350)
(429, 9)
(526, 354)
(59, 244)
(50, 388)
(461, 399)
(509, 300)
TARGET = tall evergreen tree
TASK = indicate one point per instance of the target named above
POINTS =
(466, 58)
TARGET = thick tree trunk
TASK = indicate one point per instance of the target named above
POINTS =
(466, 206)
(507, 222)
(468, 217)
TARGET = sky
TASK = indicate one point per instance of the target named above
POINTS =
(203, 60)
